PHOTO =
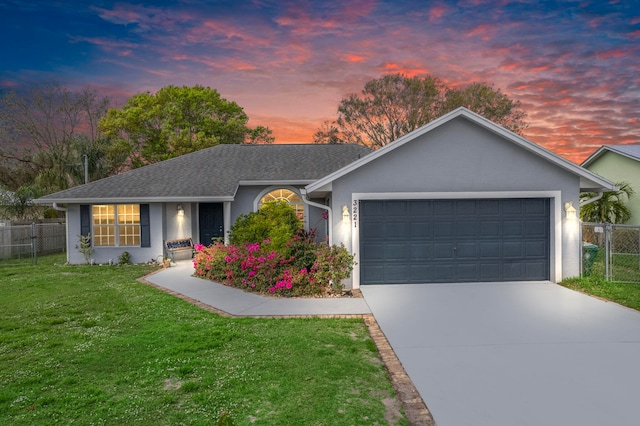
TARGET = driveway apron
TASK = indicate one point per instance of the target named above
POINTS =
(505, 354)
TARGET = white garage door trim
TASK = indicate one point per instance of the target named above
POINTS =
(556, 218)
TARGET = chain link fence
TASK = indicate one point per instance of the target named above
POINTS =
(611, 251)
(22, 244)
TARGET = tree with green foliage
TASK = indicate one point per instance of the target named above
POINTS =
(610, 208)
(394, 105)
(176, 121)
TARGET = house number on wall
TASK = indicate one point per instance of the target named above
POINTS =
(354, 213)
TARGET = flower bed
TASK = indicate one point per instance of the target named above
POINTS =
(303, 268)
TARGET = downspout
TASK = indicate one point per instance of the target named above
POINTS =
(592, 199)
(58, 208)
(66, 226)
(306, 200)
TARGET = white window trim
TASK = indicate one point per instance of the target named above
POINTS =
(264, 192)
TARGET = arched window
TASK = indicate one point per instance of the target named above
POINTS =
(286, 195)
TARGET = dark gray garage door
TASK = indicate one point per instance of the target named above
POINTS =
(423, 241)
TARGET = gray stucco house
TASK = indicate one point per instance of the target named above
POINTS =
(460, 199)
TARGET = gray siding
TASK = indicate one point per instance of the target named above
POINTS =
(460, 156)
(104, 254)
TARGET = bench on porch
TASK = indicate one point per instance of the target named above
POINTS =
(182, 247)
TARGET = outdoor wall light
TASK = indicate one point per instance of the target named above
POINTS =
(571, 212)
(180, 210)
(345, 213)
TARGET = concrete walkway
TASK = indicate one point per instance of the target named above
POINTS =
(239, 303)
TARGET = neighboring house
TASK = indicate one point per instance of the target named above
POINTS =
(459, 200)
(619, 163)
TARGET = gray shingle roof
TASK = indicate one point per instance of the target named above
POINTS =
(215, 173)
(631, 150)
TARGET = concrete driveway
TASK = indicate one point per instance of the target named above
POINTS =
(505, 354)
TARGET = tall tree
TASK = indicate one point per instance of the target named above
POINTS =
(489, 103)
(175, 121)
(38, 129)
(394, 105)
(610, 208)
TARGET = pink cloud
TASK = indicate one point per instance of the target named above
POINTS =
(408, 69)
(437, 12)
(221, 32)
(6, 83)
(485, 32)
(108, 45)
(609, 54)
(349, 57)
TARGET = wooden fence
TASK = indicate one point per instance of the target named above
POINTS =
(28, 241)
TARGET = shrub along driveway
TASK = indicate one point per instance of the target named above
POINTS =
(531, 353)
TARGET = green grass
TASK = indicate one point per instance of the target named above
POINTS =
(625, 294)
(91, 345)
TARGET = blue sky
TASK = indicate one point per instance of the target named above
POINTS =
(574, 65)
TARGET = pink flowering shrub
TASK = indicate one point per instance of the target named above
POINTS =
(302, 268)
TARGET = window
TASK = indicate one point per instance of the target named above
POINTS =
(287, 196)
(116, 225)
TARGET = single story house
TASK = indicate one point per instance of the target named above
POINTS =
(460, 199)
(619, 163)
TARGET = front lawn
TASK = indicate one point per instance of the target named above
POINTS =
(625, 294)
(91, 345)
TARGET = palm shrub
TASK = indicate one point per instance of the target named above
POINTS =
(610, 208)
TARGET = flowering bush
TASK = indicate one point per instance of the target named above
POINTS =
(302, 268)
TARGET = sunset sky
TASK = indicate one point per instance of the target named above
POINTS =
(574, 65)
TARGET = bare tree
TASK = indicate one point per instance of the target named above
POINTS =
(394, 105)
(38, 129)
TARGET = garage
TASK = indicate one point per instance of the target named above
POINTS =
(460, 199)
(454, 240)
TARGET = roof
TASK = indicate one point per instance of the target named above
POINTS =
(214, 174)
(588, 181)
(631, 151)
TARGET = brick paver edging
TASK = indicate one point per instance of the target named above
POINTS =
(414, 407)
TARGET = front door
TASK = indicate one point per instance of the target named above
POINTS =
(211, 222)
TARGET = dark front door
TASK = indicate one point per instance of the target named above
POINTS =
(424, 241)
(211, 222)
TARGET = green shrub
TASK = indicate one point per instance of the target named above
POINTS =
(333, 264)
(124, 259)
(302, 249)
(275, 222)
